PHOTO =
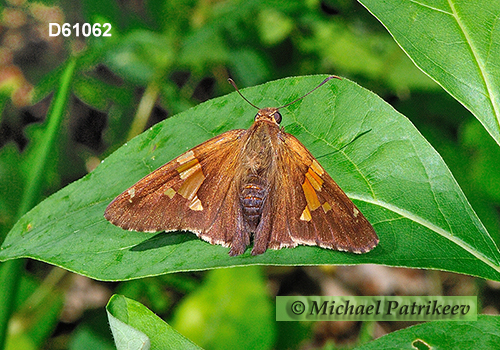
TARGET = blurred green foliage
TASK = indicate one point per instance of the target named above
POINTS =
(186, 50)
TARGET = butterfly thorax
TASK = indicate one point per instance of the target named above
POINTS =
(257, 160)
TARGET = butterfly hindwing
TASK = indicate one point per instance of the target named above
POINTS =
(313, 208)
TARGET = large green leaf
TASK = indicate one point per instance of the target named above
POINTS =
(391, 172)
(457, 43)
(478, 335)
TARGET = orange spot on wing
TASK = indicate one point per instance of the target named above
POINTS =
(310, 194)
(317, 168)
(170, 192)
(189, 155)
(196, 204)
(192, 183)
(314, 179)
(326, 207)
(188, 168)
(306, 215)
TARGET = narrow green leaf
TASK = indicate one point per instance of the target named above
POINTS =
(136, 327)
(475, 335)
(457, 43)
(10, 272)
(42, 151)
(391, 172)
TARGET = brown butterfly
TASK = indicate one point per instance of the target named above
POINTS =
(261, 182)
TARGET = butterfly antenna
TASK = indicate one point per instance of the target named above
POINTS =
(310, 92)
(234, 84)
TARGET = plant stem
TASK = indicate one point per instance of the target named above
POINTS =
(144, 109)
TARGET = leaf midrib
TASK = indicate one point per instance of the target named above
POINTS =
(431, 226)
(478, 61)
(484, 76)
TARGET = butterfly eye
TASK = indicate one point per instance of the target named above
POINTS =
(277, 117)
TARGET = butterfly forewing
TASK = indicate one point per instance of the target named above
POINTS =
(178, 196)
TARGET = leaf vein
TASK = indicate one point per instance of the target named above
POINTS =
(433, 227)
(479, 62)
(432, 8)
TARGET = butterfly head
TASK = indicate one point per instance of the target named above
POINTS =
(269, 114)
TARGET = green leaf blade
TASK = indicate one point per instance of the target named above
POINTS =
(136, 327)
(391, 172)
(481, 334)
(456, 44)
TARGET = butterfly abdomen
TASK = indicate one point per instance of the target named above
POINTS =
(252, 199)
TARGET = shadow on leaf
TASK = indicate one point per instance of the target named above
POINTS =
(163, 239)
